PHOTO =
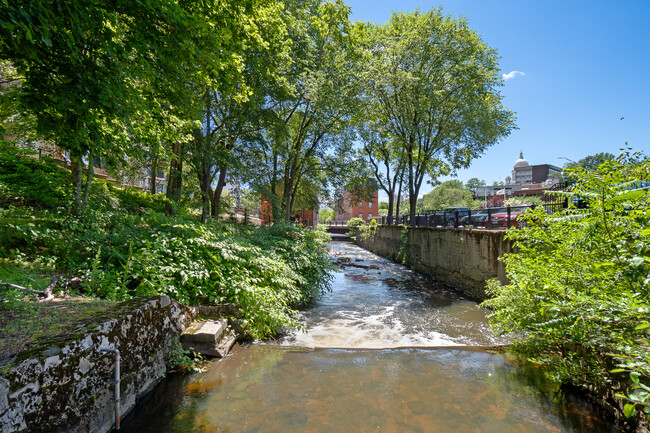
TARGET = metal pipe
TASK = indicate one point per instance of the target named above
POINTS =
(117, 385)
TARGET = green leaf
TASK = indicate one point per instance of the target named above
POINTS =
(629, 410)
(642, 326)
(635, 377)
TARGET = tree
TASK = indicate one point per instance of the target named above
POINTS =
(383, 153)
(326, 215)
(473, 184)
(99, 76)
(232, 112)
(435, 83)
(451, 193)
(578, 281)
(312, 121)
(591, 162)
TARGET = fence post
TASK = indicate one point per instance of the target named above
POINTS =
(508, 223)
(469, 218)
(488, 224)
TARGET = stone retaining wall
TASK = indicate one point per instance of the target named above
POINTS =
(67, 386)
(465, 259)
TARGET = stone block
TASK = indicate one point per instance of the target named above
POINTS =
(209, 338)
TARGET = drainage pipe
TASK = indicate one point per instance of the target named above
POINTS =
(117, 385)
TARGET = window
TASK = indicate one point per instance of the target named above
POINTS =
(360, 215)
(369, 215)
(369, 205)
(360, 204)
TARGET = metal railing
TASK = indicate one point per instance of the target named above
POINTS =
(500, 218)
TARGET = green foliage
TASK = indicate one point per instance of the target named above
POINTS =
(125, 247)
(420, 60)
(591, 162)
(353, 223)
(326, 215)
(184, 360)
(404, 243)
(523, 199)
(580, 281)
(368, 231)
(27, 181)
(451, 193)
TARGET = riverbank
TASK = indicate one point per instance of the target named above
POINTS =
(468, 259)
(385, 350)
(63, 382)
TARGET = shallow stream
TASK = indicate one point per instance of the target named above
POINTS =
(387, 350)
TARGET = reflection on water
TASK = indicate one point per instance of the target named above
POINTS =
(265, 388)
(341, 385)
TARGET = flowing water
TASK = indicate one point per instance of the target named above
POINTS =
(387, 350)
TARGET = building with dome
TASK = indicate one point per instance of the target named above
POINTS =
(526, 179)
(526, 174)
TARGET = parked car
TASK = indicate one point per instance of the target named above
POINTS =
(501, 219)
(447, 216)
(480, 217)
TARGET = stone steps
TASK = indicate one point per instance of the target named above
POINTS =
(209, 337)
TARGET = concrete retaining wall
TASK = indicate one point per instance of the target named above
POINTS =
(465, 259)
(67, 386)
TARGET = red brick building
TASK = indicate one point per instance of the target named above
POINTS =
(306, 217)
(353, 207)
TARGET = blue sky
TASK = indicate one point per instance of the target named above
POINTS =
(582, 65)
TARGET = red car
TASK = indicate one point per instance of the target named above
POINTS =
(501, 219)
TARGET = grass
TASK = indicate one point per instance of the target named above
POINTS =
(24, 320)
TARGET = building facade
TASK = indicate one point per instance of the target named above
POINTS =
(351, 206)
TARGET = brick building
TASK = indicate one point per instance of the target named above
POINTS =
(353, 207)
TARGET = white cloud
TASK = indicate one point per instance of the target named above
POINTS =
(512, 74)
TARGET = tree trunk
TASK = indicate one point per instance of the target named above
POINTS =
(391, 200)
(216, 198)
(76, 165)
(175, 179)
(287, 200)
(154, 169)
(89, 180)
(399, 195)
(205, 188)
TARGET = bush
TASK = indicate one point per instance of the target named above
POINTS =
(124, 246)
(353, 223)
(580, 281)
(31, 182)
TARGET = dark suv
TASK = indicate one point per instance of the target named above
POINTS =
(447, 216)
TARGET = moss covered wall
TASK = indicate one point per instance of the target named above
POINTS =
(465, 259)
(65, 384)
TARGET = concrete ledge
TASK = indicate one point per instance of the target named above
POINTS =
(465, 259)
(66, 385)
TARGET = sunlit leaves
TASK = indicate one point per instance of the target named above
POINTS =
(579, 286)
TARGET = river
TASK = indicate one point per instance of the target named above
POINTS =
(387, 350)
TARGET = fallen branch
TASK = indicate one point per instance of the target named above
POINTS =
(47, 293)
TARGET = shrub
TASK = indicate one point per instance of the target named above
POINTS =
(353, 223)
(27, 181)
(580, 281)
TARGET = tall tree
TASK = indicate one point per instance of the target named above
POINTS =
(314, 118)
(435, 83)
(383, 153)
(233, 111)
(95, 74)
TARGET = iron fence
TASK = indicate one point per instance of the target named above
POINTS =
(497, 218)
